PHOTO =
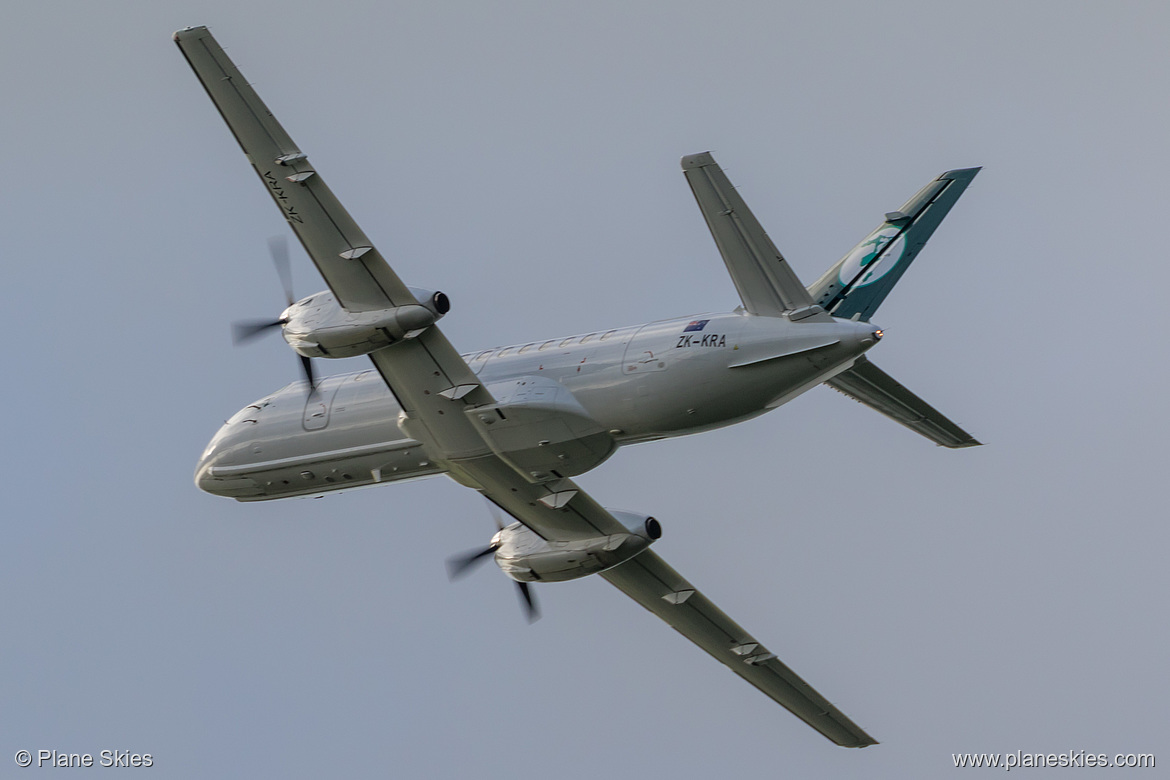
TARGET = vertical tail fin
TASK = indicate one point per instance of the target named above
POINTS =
(860, 281)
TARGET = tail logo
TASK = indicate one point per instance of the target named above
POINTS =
(873, 258)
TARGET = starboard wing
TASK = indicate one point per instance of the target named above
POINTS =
(648, 580)
(561, 510)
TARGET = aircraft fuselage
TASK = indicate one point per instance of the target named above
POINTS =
(659, 380)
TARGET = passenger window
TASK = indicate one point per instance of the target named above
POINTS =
(607, 334)
(568, 341)
(546, 345)
(526, 347)
(587, 338)
(504, 351)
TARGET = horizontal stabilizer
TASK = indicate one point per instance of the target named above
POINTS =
(767, 285)
(873, 387)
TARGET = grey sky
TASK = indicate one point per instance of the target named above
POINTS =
(523, 157)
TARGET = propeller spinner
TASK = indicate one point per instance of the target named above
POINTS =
(459, 565)
(244, 331)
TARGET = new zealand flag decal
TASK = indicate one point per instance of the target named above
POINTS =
(695, 325)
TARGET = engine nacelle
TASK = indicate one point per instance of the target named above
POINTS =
(318, 326)
(526, 557)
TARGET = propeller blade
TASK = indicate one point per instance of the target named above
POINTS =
(278, 249)
(246, 330)
(307, 369)
(531, 611)
(495, 510)
(458, 565)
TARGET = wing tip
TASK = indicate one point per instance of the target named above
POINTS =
(187, 33)
(700, 160)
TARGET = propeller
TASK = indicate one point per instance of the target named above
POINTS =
(459, 565)
(531, 611)
(244, 331)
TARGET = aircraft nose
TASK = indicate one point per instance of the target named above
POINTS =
(203, 476)
(203, 479)
(209, 480)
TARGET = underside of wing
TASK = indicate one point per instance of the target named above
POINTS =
(354, 270)
(561, 511)
(648, 580)
(429, 378)
(868, 384)
(557, 509)
(506, 449)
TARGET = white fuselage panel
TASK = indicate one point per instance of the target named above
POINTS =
(663, 379)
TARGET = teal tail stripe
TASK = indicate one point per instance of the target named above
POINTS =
(860, 281)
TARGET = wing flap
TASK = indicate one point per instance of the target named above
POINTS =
(434, 386)
(651, 582)
(766, 283)
(868, 384)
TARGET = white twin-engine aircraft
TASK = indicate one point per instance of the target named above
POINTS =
(516, 423)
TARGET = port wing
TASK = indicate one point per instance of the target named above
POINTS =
(357, 274)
